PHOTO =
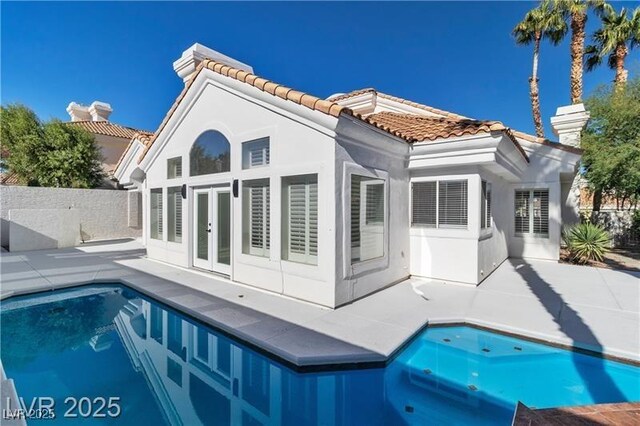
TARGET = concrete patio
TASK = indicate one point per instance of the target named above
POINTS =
(590, 308)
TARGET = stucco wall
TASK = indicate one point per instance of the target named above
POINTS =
(297, 147)
(103, 213)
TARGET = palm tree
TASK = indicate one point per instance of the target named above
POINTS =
(543, 22)
(619, 33)
(575, 11)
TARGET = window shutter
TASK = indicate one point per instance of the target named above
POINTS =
(302, 216)
(522, 212)
(297, 218)
(313, 219)
(178, 213)
(255, 153)
(256, 217)
(423, 204)
(355, 214)
(483, 207)
(156, 214)
(452, 210)
(540, 212)
(489, 217)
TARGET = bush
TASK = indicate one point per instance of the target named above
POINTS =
(586, 242)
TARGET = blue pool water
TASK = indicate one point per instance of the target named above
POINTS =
(110, 341)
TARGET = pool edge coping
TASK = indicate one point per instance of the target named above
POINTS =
(295, 363)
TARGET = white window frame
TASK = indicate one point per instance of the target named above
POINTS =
(486, 204)
(362, 213)
(169, 191)
(531, 233)
(169, 160)
(264, 144)
(161, 227)
(349, 267)
(437, 224)
(307, 258)
(247, 215)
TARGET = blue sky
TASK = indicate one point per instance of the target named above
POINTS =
(455, 56)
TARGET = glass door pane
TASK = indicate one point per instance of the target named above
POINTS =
(202, 226)
(224, 228)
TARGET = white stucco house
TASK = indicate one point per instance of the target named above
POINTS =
(328, 200)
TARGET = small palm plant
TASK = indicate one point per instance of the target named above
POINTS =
(586, 242)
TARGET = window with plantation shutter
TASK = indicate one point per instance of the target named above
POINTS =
(255, 153)
(485, 209)
(174, 168)
(300, 219)
(532, 212)
(540, 212)
(256, 239)
(174, 213)
(522, 212)
(452, 204)
(424, 203)
(367, 218)
(155, 209)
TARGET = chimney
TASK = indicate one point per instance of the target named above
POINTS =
(78, 112)
(97, 111)
(569, 122)
(186, 65)
(100, 111)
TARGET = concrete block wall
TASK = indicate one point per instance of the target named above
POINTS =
(103, 214)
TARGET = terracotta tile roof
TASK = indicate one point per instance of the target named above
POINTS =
(436, 111)
(275, 89)
(142, 136)
(419, 128)
(449, 114)
(106, 128)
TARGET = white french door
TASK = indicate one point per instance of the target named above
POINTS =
(212, 229)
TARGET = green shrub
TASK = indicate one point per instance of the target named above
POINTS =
(586, 242)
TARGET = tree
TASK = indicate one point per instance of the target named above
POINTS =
(619, 33)
(48, 154)
(575, 11)
(611, 143)
(543, 22)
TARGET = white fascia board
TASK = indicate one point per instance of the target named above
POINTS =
(493, 151)
(319, 121)
(354, 131)
(131, 154)
(557, 154)
(399, 107)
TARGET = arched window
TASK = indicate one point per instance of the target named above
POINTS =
(210, 153)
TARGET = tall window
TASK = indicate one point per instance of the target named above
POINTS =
(300, 219)
(256, 226)
(174, 213)
(532, 212)
(210, 153)
(367, 218)
(256, 153)
(439, 204)
(174, 168)
(155, 204)
(485, 213)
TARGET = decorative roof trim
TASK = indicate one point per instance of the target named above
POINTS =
(312, 102)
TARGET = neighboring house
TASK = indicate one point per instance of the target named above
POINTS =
(328, 200)
(112, 138)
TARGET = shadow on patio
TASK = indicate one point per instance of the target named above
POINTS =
(598, 382)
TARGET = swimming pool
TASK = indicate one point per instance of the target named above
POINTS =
(108, 341)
